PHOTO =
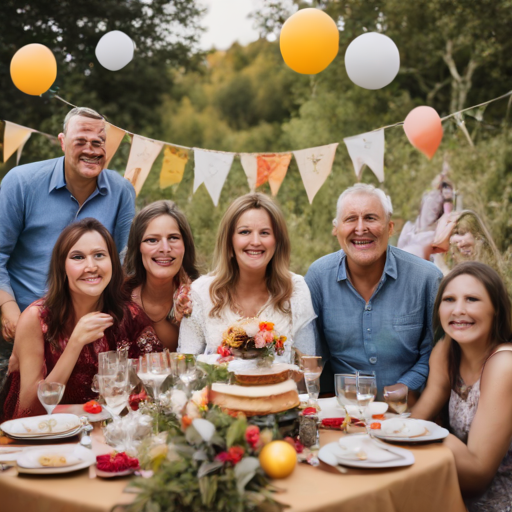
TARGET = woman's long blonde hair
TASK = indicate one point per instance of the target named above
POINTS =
(226, 270)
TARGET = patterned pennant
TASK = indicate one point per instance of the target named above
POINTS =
(272, 168)
(143, 153)
(173, 166)
(315, 165)
(114, 137)
(367, 148)
(212, 169)
(15, 137)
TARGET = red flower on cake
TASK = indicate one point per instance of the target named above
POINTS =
(252, 436)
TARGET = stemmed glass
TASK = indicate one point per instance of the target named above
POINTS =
(312, 367)
(397, 400)
(114, 387)
(186, 370)
(153, 370)
(345, 386)
(50, 394)
(366, 384)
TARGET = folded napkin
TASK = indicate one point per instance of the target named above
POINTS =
(50, 457)
(362, 448)
(44, 425)
(405, 427)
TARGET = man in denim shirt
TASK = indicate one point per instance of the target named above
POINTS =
(38, 200)
(374, 302)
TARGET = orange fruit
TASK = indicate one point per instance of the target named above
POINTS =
(278, 459)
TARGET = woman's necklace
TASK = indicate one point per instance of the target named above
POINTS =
(145, 311)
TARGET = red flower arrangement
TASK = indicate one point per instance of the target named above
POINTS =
(233, 455)
(116, 462)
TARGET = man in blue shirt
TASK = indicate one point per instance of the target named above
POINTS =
(374, 302)
(38, 200)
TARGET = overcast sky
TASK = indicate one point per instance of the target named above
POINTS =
(227, 22)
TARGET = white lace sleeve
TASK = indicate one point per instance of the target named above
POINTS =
(192, 339)
(303, 314)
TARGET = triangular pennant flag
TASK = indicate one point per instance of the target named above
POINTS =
(315, 165)
(173, 166)
(114, 137)
(367, 148)
(250, 165)
(272, 168)
(211, 168)
(142, 155)
(15, 136)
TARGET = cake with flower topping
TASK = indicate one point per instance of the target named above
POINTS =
(258, 389)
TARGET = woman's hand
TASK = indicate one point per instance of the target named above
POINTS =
(182, 303)
(90, 327)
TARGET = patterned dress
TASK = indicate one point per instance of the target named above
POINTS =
(134, 332)
(462, 409)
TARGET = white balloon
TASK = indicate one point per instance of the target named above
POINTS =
(372, 60)
(114, 50)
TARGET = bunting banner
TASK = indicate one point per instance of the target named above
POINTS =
(212, 169)
(367, 148)
(15, 137)
(143, 153)
(250, 166)
(173, 166)
(272, 168)
(315, 165)
(114, 137)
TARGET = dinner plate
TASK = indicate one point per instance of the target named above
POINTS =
(25, 461)
(47, 437)
(404, 458)
(330, 408)
(78, 409)
(436, 433)
(16, 429)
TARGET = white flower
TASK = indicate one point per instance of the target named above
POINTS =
(178, 401)
(205, 428)
(252, 327)
(192, 411)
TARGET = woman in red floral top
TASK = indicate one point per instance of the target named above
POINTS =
(86, 311)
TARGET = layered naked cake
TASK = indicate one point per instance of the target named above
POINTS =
(258, 391)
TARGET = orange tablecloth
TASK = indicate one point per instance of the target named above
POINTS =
(429, 485)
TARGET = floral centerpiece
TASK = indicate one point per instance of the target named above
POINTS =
(251, 338)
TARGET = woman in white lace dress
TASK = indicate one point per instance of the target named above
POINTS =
(471, 369)
(250, 279)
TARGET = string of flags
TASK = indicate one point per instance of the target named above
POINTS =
(211, 168)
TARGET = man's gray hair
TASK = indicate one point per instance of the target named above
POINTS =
(364, 188)
(83, 112)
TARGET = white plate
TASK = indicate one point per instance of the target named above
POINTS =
(47, 437)
(10, 454)
(107, 474)
(78, 409)
(436, 433)
(326, 454)
(16, 428)
(85, 455)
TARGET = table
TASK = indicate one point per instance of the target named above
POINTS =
(429, 485)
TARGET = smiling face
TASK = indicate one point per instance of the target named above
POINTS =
(466, 311)
(253, 241)
(84, 147)
(88, 265)
(363, 229)
(162, 248)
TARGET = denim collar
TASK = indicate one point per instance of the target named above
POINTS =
(389, 268)
(58, 179)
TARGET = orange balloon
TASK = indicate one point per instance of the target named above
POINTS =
(33, 69)
(424, 130)
(309, 41)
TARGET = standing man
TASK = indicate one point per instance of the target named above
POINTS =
(374, 302)
(38, 200)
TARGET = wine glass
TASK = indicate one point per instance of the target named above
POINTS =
(397, 400)
(187, 370)
(345, 386)
(50, 394)
(153, 370)
(115, 389)
(312, 367)
(366, 384)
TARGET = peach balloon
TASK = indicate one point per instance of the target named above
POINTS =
(424, 130)
(309, 41)
(33, 69)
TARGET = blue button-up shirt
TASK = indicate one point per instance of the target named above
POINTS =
(35, 206)
(392, 333)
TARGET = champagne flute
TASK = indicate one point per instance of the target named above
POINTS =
(312, 367)
(187, 370)
(366, 383)
(50, 394)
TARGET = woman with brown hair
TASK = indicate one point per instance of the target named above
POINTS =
(160, 264)
(470, 369)
(251, 278)
(85, 312)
